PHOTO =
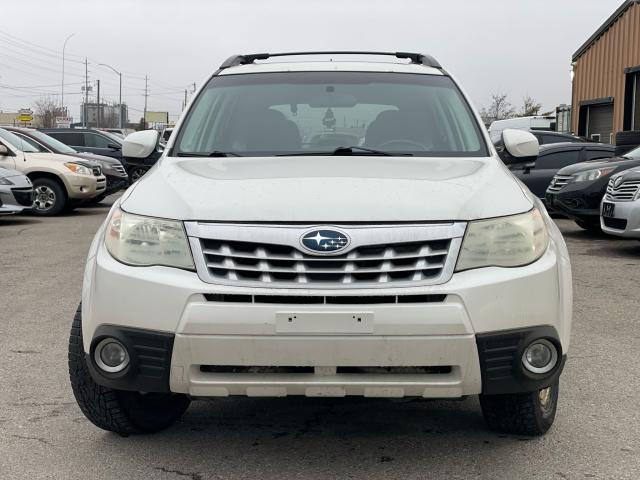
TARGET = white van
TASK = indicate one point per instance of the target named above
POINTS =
(252, 261)
(522, 123)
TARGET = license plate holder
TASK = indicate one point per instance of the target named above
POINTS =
(608, 210)
(324, 323)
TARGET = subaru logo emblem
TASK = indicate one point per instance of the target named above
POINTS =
(324, 241)
(617, 182)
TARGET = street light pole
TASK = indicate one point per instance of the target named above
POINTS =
(64, 46)
(120, 98)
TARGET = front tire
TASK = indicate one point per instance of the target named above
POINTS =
(530, 413)
(50, 197)
(118, 411)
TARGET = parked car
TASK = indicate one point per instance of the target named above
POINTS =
(537, 122)
(102, 143)
(60, 182)
(112, 169)
(577, 190)
(620, 209)
(555, 156)
(409, 264)
(16, 192)
(547, 138)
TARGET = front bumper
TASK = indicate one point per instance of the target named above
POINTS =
(579, 201)
(83, 187)
(626, 220)
(17, 197)
(115, 183)
(221, 342)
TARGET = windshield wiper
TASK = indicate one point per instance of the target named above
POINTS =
(215, 153)
(347, 151)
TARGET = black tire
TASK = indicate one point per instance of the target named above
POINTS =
(54, 191)
(593, 227)
(97, 199)
(529, 413)
(118, 411)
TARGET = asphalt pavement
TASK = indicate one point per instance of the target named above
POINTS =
(43, 434)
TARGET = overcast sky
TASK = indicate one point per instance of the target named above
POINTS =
(518, 47)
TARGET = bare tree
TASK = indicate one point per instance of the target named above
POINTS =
(529, 107)
(46, 111)
(499, 109)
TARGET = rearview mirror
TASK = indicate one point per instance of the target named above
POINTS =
(113, 146)
(520, 145)
(4, 151)
(140, 144)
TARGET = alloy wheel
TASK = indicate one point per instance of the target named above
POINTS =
(45, 198)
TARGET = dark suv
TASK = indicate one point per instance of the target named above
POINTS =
(555, 156)
(88, 140)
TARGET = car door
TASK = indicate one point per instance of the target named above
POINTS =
(101, 145)
(539, 176)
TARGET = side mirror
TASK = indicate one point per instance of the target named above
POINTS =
(4, 151)
(520, 146)
(140, 144)
(113, 146)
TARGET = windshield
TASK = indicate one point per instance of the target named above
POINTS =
(51, 142)
(17, 142)
(635, 154)
(112, 136)
(266, 114)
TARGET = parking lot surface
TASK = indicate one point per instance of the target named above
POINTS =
(43, 434)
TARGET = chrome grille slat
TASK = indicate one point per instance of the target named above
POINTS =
(558, 183)
(378, 256)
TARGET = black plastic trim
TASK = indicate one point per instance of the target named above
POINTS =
(501, 365)
(149, 359)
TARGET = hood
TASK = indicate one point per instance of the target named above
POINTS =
(58, 157)
(629, 175)
(8, 172)
(604, 162)
(327, 189)
(96, 158)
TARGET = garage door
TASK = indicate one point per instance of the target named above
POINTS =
(600, 122)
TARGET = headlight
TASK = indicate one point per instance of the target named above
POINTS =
(77, 168)
(5, 181)
(504, 242)
(591, 175)
(146, 241)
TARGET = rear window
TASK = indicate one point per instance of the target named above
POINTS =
(266, 114)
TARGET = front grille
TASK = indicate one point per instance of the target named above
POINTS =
(558, 183)
(323, 300)
(624, 192)
(119, 168)
(24, 196)
(615, 223)
(379, 256)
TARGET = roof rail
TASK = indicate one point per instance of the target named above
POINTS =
(417, 58)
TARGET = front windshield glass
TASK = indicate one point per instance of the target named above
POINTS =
(266, 114)
(51, 142)
(635, 154)
(17, 142)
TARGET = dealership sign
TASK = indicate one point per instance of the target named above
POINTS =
(25, 115)
(64, 122)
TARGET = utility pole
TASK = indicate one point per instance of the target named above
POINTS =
(99, 105)
(146, 94)
(86, 92)
(120, 98)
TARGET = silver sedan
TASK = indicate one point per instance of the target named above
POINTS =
(16, 192)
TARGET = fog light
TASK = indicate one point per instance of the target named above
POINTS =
(540, 356)
(111, 356)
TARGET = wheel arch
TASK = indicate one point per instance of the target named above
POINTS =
(33, 175)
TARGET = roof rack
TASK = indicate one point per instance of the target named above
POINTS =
(417, 58)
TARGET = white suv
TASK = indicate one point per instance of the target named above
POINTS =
(325, 228)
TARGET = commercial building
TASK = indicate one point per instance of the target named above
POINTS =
(606, 77)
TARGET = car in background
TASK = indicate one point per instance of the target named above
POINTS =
(620, 209)
(60, 182)
(166, 135)
(16, 192)
(112, 169)
(88, 140)
(577, 190)
(119, 132)
(552, 158)
(547, 138)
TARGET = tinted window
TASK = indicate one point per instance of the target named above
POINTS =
(557, 160)
(31, 142)
(266, 114)
(97, 141)
(74, 139)
(595, 154)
